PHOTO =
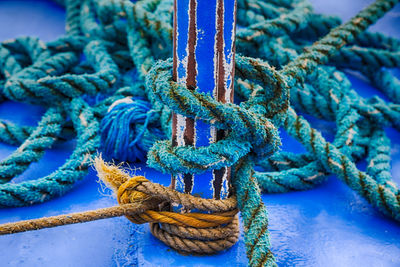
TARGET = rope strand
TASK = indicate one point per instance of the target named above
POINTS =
(119, 77)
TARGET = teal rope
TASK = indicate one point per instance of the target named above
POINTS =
(13, 134)
(102, 84)
(65, 177)
(32, 149)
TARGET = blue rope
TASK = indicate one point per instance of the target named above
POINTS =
(126, 134)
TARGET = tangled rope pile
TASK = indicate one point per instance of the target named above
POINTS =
(119, 83)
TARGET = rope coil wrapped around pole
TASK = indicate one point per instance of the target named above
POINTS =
(140, 201)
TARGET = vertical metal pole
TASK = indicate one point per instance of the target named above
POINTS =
(204, 57)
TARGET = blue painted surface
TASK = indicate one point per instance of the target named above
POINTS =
(206, 68)
(327, 226)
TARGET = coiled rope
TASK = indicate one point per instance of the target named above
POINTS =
(139, 199)
(121, 42)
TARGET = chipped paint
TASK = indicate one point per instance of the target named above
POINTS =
(204, 33)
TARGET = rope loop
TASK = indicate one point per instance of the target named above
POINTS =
(250, 124)
(184, 231)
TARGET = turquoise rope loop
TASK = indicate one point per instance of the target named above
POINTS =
(13, 134)
(32, 149)
(107, 82)
(66, 176)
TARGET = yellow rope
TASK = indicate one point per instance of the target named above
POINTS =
(127, 192)
(142, 201)
(222, 218)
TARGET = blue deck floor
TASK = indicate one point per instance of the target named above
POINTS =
(328, 226)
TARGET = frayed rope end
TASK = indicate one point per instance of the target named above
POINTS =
(112, 175)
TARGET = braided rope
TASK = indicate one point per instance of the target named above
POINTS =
(64, 178)
(271, 87)
(33, 147)
(122, 41)
(140, 200)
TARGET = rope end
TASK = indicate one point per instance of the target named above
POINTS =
(112, 175)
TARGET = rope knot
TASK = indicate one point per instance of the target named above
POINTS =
(127, 193)
(251, 125)
(191, 232)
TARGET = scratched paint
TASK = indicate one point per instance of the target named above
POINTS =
(204, 52)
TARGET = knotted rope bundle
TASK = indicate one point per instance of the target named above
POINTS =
(142, 201)
(199, 233)
(122, 41)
